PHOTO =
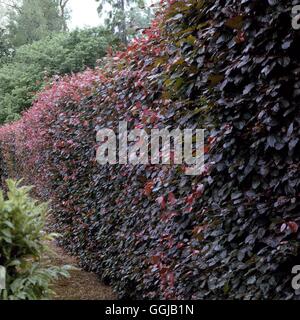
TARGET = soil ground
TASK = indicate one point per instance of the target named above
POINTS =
(81, 285)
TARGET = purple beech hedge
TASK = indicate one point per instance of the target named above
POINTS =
(230, 67)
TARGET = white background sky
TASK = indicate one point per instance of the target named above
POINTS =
(84, 13)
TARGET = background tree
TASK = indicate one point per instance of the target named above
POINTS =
(123, 17)
(35, 19)
(2, 13)
(33, 65)
(2, 45)
(5, 47)
(10, 4)
(64, 13)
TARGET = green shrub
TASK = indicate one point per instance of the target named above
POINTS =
(22, 245)
(33, 65)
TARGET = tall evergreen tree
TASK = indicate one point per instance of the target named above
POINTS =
(124, 16)
(3, 45)
(4, 41)
(34, 20)
(2, 13)
(64, 12)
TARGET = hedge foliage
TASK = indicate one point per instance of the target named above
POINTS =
(230, 67)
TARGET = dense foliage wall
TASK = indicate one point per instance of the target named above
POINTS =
(152, 231)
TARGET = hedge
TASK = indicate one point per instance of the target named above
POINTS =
(230, 67)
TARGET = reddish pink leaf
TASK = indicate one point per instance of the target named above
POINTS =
(162, 202)
(190, 199)
(155, 259)
(293, 226)
(200, 190)
(171, 198)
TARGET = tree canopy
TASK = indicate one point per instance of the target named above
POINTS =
(33, 20)
(34, 64)
(124, 17)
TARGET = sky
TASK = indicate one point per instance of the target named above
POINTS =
(84, 13)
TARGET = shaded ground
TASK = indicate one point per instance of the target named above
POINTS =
(82, 285)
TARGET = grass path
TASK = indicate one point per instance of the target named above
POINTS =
(81, 285)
